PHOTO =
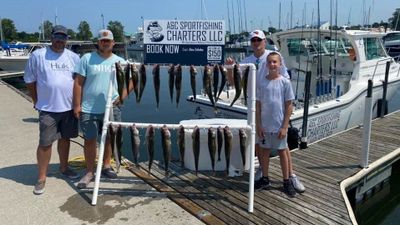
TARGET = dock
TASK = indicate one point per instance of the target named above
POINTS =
(10, 74)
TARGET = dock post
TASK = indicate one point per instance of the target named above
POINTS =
(252, 122)
(303, 143)
(383, 111)
(367, 126)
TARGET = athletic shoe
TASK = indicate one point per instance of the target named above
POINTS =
(109, 173)
(39, 187)
(70, 174)
(298, 186)
(85, 181)
(262, 183)
(288, 188)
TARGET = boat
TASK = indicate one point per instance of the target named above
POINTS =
(392, 44)
(13, 57)
(337, 95)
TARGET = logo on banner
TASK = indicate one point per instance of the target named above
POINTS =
(153, 31)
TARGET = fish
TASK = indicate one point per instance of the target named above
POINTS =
(156, 82)
(207, 84)
(178, 83)
(242, 141)
(245, 78)
(166, 146)
(196, 147)
(181, 144)
(223, 72)
(111, 136)
(142, 72)
(127, 77)
(228, 146)
(135, 80)
(118, 143)
(212, 148)
(193, 72)
(220, 136)
(120, 80)
(150, 144)
(171, 81)
(237, 80)
(135, 141)
(215, 81)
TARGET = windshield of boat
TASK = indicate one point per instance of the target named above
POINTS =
(373, 48)
(305, 46)
(392, 37)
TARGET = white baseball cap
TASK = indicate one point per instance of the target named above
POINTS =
(106, 35)
(257, 34)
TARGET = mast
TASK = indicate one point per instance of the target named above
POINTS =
(229, 17)
(233, 17)
(1, 30)
(239, 16)
(245, 16)
(291, 14)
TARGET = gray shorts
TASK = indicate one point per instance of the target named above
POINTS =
(271, 141)
(91, 124)
(53, 126)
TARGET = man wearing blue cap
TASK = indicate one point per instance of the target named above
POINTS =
(49, 79)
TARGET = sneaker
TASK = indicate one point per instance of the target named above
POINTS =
(298, 186)
(262, 183)
(288, 188)
(85, 181)
(109, 173)
(39, 187)
(258, 174)
(70, 174)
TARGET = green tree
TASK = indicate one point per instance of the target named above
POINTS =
(48, 26)
(117, 29)
(28, 37)
(9, 30)
(394, 21)
(71, 34)
(84, 32)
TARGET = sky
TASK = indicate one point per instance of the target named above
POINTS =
(28, 14)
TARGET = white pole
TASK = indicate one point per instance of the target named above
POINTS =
(367, 126)
(252, 122)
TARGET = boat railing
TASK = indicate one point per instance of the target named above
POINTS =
(379, 62)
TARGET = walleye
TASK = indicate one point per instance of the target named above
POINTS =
(166, 146)
(118, 142)
(237, 82)
(207, 84)
(245, 78)
(178, 83)
(171, 81)
(228, 146)
(215, 81)
(127, 77)
(150, 144)
(223, 72)
(120, 80)
(196, 146)
(156, 82)
(220, 134)
(142, 72)
(111, 137)
(193, 72)
(212, 148)
(242, 140)
(135, 80)
(135, 141)
(181, 144)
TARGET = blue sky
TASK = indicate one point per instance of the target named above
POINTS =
(27, 14)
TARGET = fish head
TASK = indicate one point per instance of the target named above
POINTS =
(134, 130)
(142, 68)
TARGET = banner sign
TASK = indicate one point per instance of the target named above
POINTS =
(185, 42)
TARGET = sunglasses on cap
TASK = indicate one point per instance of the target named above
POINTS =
(60, 37)
(256, 39)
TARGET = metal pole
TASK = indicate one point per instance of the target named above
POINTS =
(383, 105)
(252, 123)
(303, 143)
(367, 126)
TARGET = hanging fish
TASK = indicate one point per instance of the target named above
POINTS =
(237, 80)
(228, 146)
(212, 148)
(135, 80)
(181, 144)
(171, 81)
(156, 82)
(166, 146)
(150, 144)
(127, 77)
(135, 141)
(178, 83)
(215, 81)
(220, 135)
(120, 80)
(142, 73)
(111, 137)
(245, 79)
(242, 140)
(118, 142)
(196, 146)
(207, 76)
(223, 72)
(193, 72)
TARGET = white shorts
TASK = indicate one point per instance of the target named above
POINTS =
(271, 141)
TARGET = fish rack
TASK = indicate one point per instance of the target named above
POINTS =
(250, 127)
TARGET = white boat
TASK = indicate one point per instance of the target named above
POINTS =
(16, 57)
(392, 44)
(338, 96)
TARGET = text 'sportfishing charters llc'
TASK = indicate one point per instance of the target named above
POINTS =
(185, 42)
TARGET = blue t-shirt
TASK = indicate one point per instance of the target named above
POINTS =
(97, 71)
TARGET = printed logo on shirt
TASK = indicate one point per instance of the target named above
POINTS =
(59, 66)
(103, 68)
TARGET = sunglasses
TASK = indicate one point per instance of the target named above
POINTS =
(60, 37)
(256, 40)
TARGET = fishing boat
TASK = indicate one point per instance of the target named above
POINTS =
(392, 44)
(13, 57)
(340, 64)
